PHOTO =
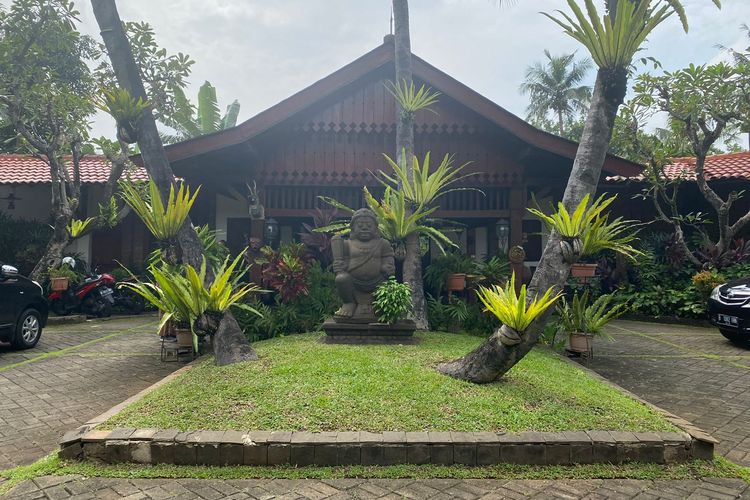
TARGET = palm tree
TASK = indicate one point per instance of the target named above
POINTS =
(612, 40)
(555, 86)
(405, 153)
(192, 121)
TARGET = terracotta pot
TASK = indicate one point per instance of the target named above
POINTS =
(583, 272)
(184, 337)
(581, 342)
(59, 284)
(456, 282)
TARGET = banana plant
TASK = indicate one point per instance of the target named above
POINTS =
(192, 121)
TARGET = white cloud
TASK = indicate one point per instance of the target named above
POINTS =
(261, 51)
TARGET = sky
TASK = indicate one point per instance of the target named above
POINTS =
(262, 51)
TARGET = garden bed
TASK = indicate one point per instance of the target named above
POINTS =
(301, 384)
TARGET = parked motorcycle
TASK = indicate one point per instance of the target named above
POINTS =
(126, 299)
(94, 296)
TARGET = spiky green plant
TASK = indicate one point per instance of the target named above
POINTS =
(423, 186)
(591, 225)
(515, 310)
(573, 225)
(613, 44)
(125, 109)
(410, 99)
(163, 221)
(396, 220)
(580, 317)
(77, 227)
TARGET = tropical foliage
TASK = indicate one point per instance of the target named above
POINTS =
(422, 186)
(164, 221)
(77, 227)
(182, 296)
(396, 219)
(555, 87)
(614, 39)
(192, 121)
(513, 309)
(411, 99)
(392, 301)
(579, 316)
(590, 224)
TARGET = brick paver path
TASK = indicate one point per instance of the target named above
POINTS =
(75, 373)
(690, 371)
(72, 487)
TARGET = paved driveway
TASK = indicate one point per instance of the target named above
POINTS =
(75, 373)
(690, 371)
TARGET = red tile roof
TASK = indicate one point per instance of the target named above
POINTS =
(27, 169)
(718, 167)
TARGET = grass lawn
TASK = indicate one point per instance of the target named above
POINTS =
(303, 384)
(697, 469)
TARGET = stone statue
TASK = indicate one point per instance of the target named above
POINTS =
(361, 264)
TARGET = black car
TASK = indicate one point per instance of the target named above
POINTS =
(23, 309)
(729, 309)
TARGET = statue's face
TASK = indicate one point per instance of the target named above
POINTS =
(364, 229)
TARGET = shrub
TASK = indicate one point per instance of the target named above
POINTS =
(304, 313)
(392, 301)
(286, 270)
(22, 242)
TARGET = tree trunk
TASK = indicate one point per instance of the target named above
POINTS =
(560, 124)
(56, 247)
(492, 359)
(404, 153)
(234, 347)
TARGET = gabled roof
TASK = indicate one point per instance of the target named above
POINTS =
(376, 58)
(28, 169)
(729, 166)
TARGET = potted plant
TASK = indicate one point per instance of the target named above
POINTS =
(60, 277)
(588, 231)
(449, 272)
(584, 321)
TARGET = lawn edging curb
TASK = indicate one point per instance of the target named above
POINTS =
(702, 443)
(235, 447)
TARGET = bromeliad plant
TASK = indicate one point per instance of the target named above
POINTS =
(77, 227)
(583, 320)
(588, 229)
(396, 221)
(164, 221)
(183, 298)
(392, 301)
(514, 310)
(411, 99)
(421, 186)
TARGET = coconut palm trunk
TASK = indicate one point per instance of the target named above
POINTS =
(492, 359)
(230, 344)
(404, 155)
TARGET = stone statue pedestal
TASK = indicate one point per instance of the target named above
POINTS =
(338, 332)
